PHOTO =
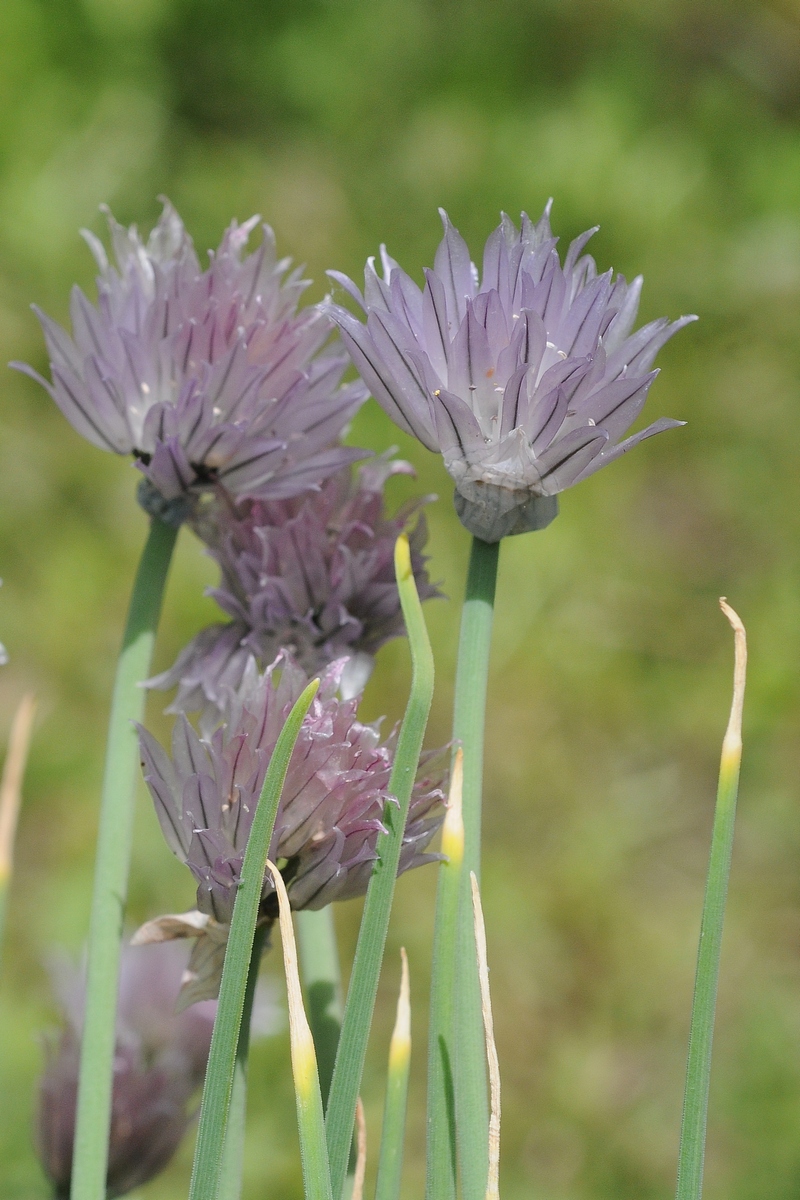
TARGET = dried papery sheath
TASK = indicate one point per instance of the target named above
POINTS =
(159, 1063)
(313, 575)
(525, 379)
(329, 817)
(204, 376)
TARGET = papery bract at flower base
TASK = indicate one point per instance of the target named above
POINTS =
(204, 376)
(159, 1063)
(525, 380)
(314, 576)
(329, 817)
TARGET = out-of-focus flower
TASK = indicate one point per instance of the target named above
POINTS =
(329, 818)
(204, 376)
(314, 576)
(525, 380)
(159, 1063)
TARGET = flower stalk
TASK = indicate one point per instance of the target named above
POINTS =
(691, 1154)
(112, 865)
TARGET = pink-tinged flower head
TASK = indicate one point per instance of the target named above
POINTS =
(159, 1063)
(525, 379)
(204, 376)
(314, 576)
(330, 813)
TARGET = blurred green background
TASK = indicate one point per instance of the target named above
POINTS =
(675, 126)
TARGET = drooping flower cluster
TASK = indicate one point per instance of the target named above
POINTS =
(313, 576)
(524, 379)
(159, 1063)
(204, 376)
(328, 821)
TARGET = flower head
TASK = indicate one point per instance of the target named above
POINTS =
(525, 380)
(203, 376)
(330, 813)
(314, 576)
(159, 1062)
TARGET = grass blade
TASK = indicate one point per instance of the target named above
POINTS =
(493, 1178)
(310, 1114)
(390, 1164)
(698, 1068)
(112, 864)
(377, 908)
(222, 1057)
(19, 741)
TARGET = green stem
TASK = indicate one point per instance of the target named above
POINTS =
(691, 1154)
(221, 1068)
(377, 908)
(231, 1169)
(456, 1023)
(322, 982)
(112, 864)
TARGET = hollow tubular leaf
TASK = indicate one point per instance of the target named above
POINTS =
(691, 1154)
(222, 1058)
(390, 1163)
(377, 908)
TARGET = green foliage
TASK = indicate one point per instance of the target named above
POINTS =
(675, 127)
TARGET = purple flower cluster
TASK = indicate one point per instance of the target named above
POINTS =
(313, 576)
(329, 817)
(524, 379)
(204, 376)
(159, 1063)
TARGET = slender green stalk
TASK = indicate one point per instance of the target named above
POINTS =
(322, 982)
(11, 794)
(235, 972)
(698, 1069)
(456, 1023)
(112, 864)
(310, 1113)
(377, 908)
(441, 1178)
(230, 1175)
(390, 1164)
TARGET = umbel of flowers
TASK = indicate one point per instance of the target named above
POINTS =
(203, 376)
(159, 1062)
(525, 378)
(329, 818)
(313, 575)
